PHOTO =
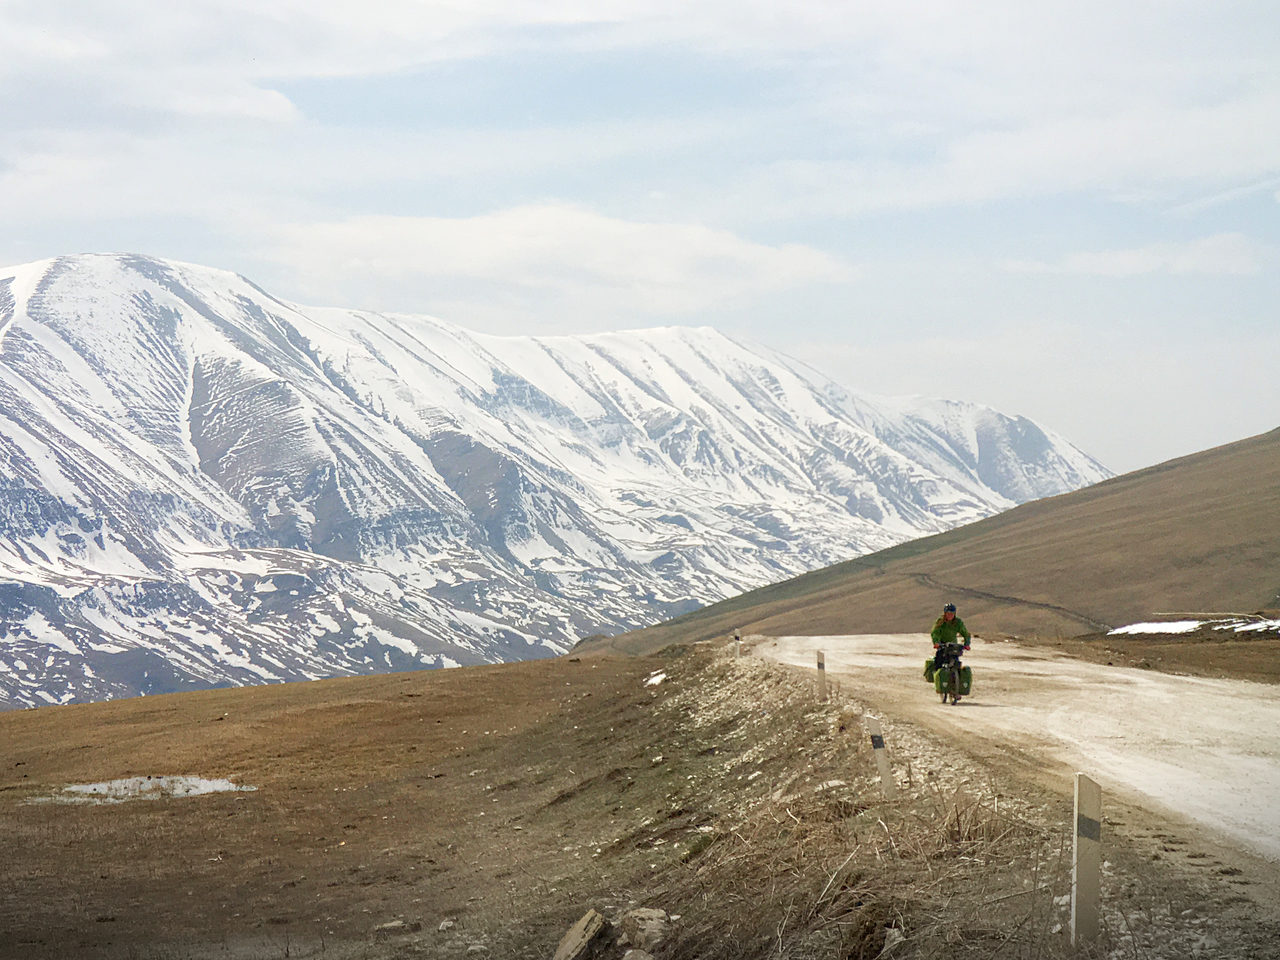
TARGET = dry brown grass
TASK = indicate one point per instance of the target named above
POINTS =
(489, 808)
(819, 864)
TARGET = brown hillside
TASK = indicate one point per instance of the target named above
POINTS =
(1201, 533)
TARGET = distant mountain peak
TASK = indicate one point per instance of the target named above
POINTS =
(204, 484)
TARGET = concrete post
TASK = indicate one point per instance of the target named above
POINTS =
(822, 676)
(887, 784)
(1086, 867)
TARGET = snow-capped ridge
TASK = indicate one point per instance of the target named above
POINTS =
(205, 484)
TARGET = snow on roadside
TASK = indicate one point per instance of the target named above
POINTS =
(1172, 626)
(1234, 624)
(140, 788)
(1253, 626)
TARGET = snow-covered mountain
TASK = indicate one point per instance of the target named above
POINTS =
(201, 484)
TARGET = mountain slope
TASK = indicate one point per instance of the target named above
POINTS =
(203, 484)
(1193, 534)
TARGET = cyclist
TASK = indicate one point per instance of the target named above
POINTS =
(948, 628)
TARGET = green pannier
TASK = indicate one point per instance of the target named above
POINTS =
(940, 678)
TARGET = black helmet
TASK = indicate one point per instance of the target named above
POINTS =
(949, 608)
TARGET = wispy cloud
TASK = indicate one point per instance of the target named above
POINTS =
(921, 105)
(1218, 198)
(1227, 254)
(548, 260)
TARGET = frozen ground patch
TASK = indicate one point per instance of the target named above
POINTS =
(140, 788)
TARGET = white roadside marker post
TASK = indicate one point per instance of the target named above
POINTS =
(1086, 867)
(882, 760)
(737, 638)
(822, 676)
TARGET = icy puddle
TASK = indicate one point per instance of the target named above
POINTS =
(140, 788)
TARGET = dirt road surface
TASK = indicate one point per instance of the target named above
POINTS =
(1186, 748)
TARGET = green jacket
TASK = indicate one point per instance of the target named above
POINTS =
(944, 632)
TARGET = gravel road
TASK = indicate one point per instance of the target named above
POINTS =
(1194, 749)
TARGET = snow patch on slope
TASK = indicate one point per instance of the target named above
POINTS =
(201, 484)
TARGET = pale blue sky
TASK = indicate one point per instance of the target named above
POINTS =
(1063, 209)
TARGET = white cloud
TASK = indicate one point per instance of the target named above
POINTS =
(932, 103)
(1000, 58)
(1227, 254)
(547, 259)
(1154, 154)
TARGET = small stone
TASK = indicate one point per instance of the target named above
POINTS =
(645, 928)
(445, 925)
(393, 929)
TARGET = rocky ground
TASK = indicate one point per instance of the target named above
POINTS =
(483, 812)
